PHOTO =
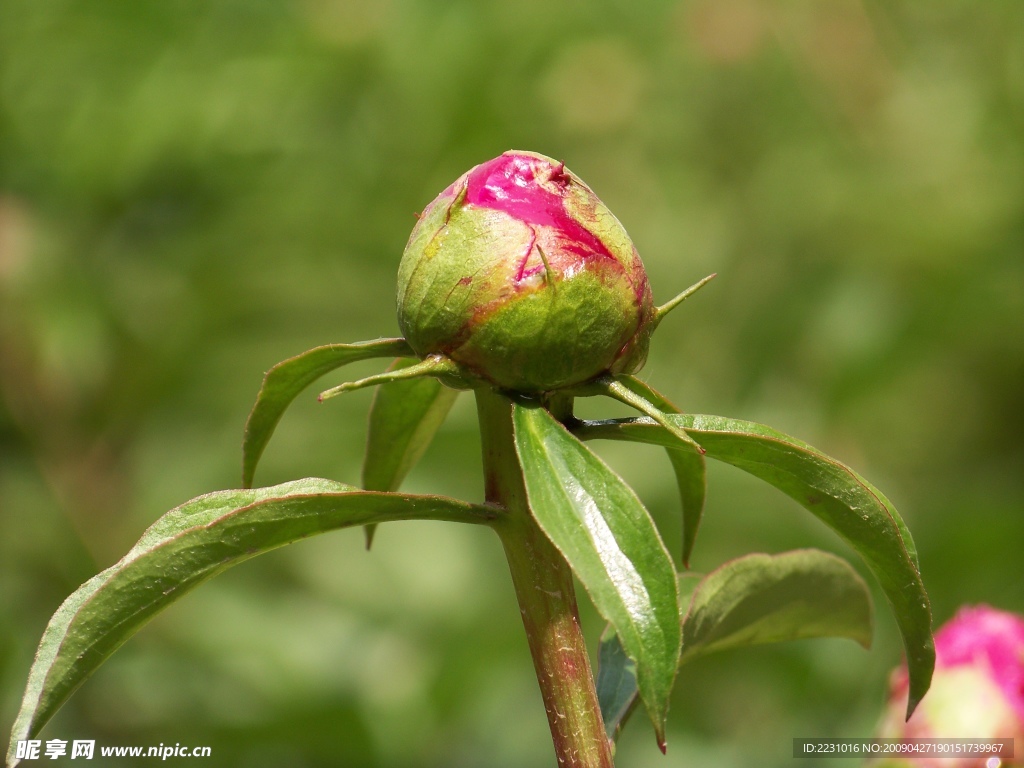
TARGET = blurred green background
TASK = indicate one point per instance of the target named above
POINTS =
(192, 191)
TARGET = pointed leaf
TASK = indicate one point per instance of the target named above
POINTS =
(287, 379)
(404, 417)
(691, 480)
(834, 493)
(611, 544)
(689, 467)
(616, 672)
(182, 549)
(771, 598)
(752, 600)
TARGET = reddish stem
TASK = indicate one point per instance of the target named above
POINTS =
(547, 599)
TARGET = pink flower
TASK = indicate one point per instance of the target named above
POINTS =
(977, 691)
(519, 273)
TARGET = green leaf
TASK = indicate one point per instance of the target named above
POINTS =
(611, 544)
(691, 480)
(287, 379)
(404, 417)
(181, 550)
(689, 467)
(834, 493)
(771, 598)
(616, 672)
(749, 601)
(616, 683)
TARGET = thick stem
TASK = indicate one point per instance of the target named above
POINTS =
(547, 599)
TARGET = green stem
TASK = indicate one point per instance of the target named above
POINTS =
(547, 599)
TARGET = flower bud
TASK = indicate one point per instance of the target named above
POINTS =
(977, 690)
(520, 274)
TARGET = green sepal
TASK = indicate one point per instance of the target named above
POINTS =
(404, 417)
(283, 383)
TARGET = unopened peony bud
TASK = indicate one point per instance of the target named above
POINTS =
(977, 691)
(520, 274)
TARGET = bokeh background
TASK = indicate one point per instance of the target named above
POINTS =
(191, 191)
